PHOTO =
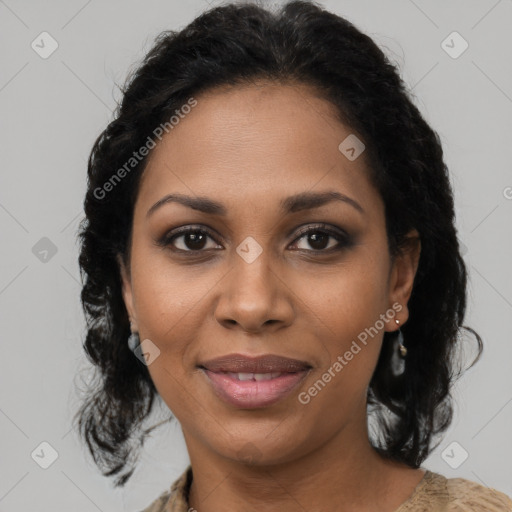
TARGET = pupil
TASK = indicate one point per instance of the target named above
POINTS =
(315, 238)
(195, 240)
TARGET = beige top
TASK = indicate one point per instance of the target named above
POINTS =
(434, 493)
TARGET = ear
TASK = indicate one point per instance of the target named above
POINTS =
(127, 292)
(402, 276)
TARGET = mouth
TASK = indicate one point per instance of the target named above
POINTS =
(254, 382)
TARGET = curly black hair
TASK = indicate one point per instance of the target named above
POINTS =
(299, 43)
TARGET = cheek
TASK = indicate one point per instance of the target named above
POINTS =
(346, 300)
(170, 312)
(345, 310)
(167, 295)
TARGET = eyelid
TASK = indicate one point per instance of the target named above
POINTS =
(320, 226)
(337, 233)
(174, 233)
(341, 236)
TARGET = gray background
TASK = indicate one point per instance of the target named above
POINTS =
(52, 110)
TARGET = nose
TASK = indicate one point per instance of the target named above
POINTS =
(253, 297)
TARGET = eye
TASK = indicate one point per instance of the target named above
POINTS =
(195, 239)
(190, 239)
(318, 238)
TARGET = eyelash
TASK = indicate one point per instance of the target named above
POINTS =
(342, 238)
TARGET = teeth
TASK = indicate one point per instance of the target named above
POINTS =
(262, 376)
(254, 376)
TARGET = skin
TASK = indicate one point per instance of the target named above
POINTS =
(248, 147)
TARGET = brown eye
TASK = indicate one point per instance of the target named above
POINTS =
(188, 240)
(315, 239)
(195, 240)
(318, 240)
(322, 240)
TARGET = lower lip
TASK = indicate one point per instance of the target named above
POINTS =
(252, 394)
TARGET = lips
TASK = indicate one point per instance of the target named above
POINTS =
(238, 363)
(254, 382)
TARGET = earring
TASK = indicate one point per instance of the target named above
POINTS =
(401, 346)
(133, 339)
(398, 356)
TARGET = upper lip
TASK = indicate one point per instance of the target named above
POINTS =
(236, 363)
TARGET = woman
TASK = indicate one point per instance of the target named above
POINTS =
(269, 247)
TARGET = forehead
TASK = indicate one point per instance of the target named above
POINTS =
(255, 142)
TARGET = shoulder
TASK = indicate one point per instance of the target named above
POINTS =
(159, 504)
(466, 495)
(174, 499)
(436, 493)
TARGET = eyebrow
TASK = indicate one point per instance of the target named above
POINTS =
(292, 204)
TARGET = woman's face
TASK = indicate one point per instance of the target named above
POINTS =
(253, 282)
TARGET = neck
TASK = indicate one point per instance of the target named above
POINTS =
(345, 473)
